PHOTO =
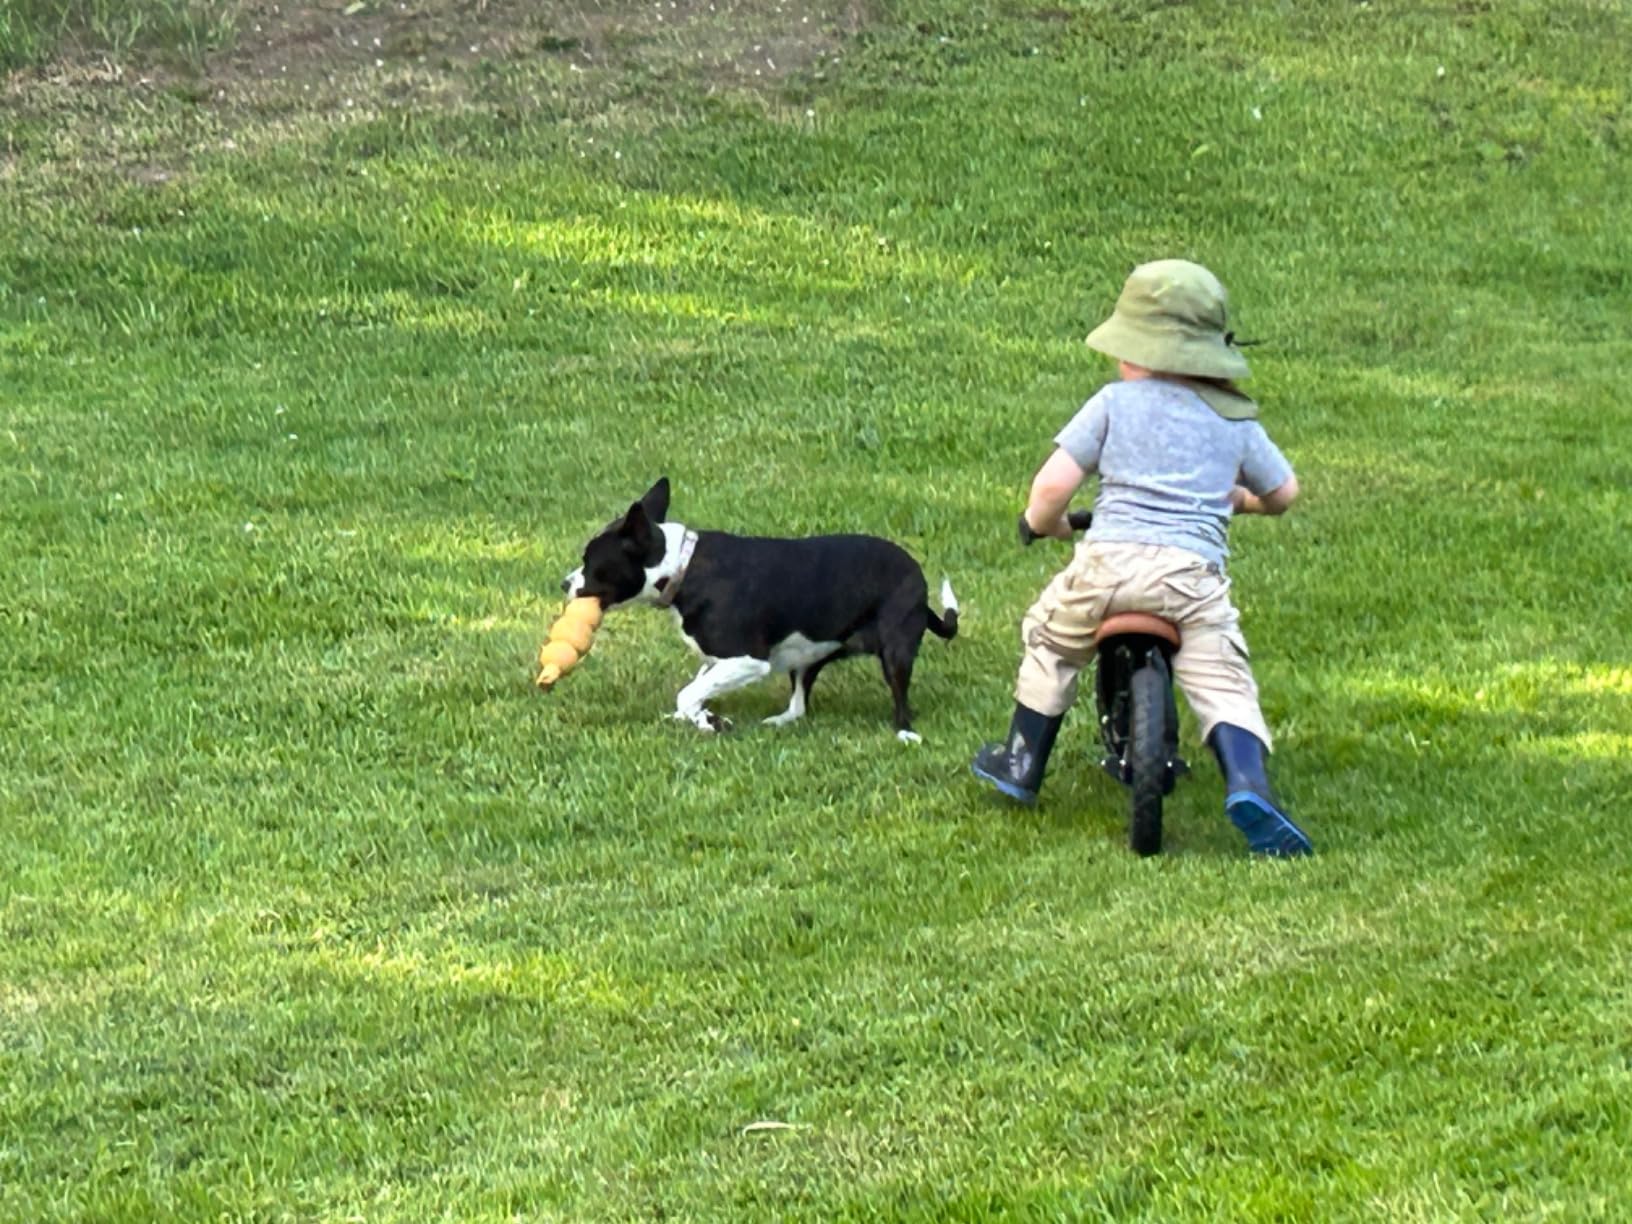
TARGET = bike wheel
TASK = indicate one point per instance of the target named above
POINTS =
(1147, 757)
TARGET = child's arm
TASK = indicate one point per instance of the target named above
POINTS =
(1275, 501)
(1052, 488)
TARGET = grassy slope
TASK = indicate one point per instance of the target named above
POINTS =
(311, 906)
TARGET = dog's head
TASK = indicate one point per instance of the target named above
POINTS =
(625, 560)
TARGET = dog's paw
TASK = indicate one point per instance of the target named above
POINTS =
(705, 721)
(909, 737)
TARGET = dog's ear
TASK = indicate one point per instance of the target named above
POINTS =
(656, 500)
(641, 539)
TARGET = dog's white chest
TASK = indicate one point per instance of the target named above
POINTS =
(797, 652)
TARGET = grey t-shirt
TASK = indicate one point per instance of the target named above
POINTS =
(1167, 463)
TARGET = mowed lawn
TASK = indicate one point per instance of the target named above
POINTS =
(312, 907)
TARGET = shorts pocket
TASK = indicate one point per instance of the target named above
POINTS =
(1189, 588)
(1035, 623)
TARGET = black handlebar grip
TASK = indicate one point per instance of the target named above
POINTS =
(1078, 520)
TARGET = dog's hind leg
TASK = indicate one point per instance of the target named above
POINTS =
(901, 624)
(897, 664)
(722, 676)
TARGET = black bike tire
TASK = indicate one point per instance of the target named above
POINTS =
(1147, 758)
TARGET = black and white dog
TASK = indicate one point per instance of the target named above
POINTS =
(751, 606)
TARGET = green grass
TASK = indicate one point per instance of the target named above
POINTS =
(33, 31)
(311, 907)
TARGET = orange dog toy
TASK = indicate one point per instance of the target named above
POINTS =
(569, 640)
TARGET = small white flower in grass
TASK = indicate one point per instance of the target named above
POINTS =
(248, 528)
(1440, 71)
(1257, 113)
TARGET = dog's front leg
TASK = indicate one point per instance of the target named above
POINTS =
(722, 676)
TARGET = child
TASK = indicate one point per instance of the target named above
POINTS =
(1178, 450)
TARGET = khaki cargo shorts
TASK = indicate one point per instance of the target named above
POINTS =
(1212, 667)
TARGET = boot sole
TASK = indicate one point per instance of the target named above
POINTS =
(1018, 793)
(1267, 830)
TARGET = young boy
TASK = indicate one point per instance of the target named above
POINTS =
(1177, 450)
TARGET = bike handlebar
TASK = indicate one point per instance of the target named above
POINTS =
(1078, 520)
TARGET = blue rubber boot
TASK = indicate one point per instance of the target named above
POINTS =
(1016, 768)
(1249, 801)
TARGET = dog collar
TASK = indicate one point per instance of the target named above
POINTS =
(668, 588)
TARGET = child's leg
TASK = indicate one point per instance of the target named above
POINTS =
(1057, 634)
(1214, 672)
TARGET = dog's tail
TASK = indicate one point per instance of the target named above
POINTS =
(945, 626)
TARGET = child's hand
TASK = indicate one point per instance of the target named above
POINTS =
(1076, 520)
(1244, 501)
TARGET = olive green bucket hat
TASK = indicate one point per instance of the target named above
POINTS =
(1171, 319)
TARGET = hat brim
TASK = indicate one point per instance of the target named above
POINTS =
(1167, 350)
